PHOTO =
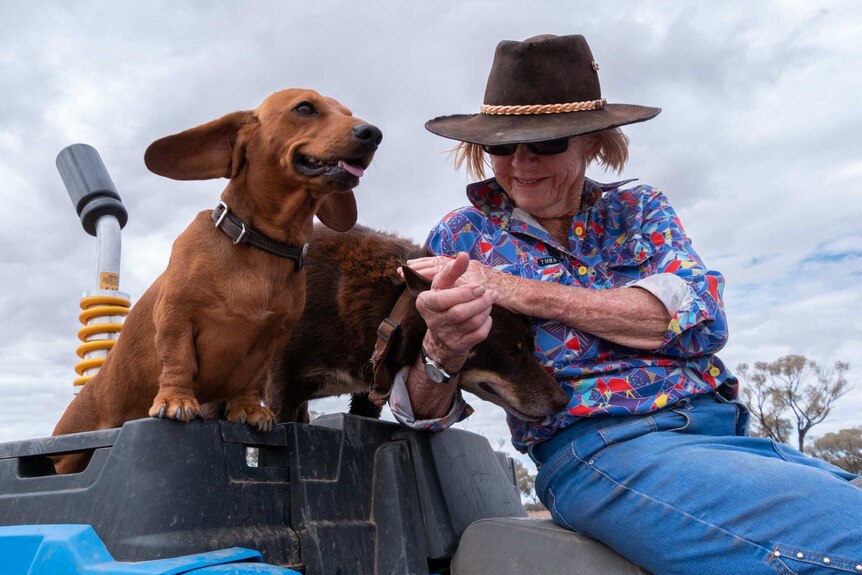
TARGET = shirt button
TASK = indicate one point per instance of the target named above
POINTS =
(826, 561)
(800, 555)
(583, 270)
(579, 231)
(714, 371)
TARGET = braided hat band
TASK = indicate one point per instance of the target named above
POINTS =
(543, 108)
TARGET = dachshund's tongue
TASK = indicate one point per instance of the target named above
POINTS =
(355, 170)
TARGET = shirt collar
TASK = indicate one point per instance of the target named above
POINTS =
(493, 201)
(489, 197)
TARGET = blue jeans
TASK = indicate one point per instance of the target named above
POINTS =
(683, 490)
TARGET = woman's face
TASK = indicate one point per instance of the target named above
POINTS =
(546, 186)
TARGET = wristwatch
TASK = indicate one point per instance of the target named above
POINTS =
(434, 370)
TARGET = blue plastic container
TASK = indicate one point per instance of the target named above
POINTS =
(77, 550)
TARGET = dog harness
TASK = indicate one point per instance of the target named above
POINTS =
(386, 332)
(240, 233)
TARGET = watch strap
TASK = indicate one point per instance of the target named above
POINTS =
(427, 361)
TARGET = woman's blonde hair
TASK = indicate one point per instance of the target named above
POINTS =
(611, 155)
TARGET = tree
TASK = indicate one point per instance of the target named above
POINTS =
(793, 384)
(527, 487)
(842, 448)
(765, 405)
(526, 481)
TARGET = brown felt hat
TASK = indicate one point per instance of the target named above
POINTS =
(543, 88)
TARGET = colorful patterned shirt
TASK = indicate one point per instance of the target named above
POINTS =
(619, 238)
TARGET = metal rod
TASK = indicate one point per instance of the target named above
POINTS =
(109, 248)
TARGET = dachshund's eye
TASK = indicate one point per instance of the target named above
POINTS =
(514, 351)
(305, 109)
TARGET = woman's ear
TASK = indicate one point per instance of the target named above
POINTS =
(212, 150)
(338, 211)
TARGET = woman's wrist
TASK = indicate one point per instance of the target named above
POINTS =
(430, 400)
(450, 360)
(510, 289)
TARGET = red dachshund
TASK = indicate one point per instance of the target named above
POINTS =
(208, 328)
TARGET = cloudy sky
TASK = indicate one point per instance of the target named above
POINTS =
(758, 146)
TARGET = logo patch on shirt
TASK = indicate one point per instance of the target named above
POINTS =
(547, 261)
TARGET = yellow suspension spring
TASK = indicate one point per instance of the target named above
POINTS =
(98, 337)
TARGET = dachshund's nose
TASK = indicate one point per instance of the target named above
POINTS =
(370, 136)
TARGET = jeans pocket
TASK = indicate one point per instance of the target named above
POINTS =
(742, 413)
(556, 515)
(671, 419)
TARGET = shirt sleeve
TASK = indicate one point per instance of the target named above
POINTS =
(673, 291)
(678, 277)
(439, 241)
(459, 231)
(402, 409)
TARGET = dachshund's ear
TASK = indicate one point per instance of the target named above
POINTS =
(212, 150)
(416, 283)
(338, 211)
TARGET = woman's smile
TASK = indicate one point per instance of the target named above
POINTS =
(546, 185)
(525, 182)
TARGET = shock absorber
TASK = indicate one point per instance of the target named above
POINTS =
(102, 215)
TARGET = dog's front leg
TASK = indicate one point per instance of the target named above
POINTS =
(175, 346)
(246, 407)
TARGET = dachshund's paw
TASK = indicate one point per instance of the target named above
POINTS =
(253, 414)
(180, 407)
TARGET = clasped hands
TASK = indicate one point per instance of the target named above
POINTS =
(457, 308)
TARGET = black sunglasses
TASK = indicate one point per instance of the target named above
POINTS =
(545, 148)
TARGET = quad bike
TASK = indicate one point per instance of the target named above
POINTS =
(342, 495)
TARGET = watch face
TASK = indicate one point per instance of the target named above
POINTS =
(433, 373)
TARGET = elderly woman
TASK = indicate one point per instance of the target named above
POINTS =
(651, 455)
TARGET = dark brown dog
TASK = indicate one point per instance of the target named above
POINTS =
(352, 287)
(208, 328)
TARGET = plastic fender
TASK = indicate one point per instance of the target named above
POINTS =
(56, 549)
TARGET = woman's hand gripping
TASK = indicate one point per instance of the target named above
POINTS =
(458, 315)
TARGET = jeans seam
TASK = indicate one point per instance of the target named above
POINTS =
(736, 419)
(778, 451)
(551, 467)
(609, 433)
(816, 558)
(780, 566)
(556, 515)
(766, 550)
